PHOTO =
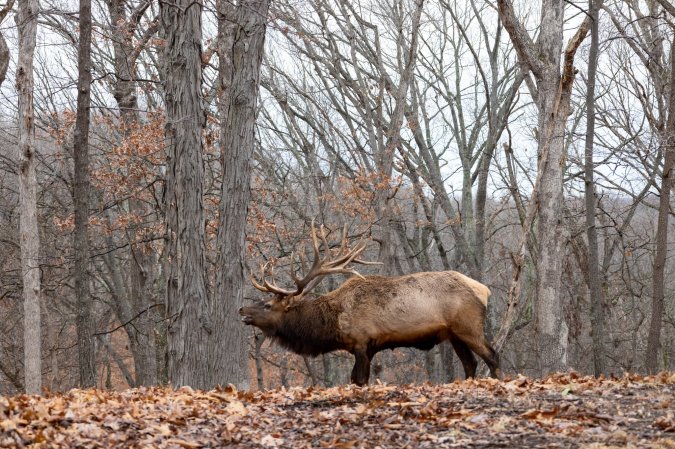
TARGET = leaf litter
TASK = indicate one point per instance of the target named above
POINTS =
(560, 411)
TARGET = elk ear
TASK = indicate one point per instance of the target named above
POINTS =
(281, 300)
(288, 302)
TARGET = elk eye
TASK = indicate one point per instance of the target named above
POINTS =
(268, 306)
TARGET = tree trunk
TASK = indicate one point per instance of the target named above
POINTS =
(310, 370)
(4, 58)
(550, 323)
(549, 318)
(259, 339)
(4, 49)
(552, 97)
(329, 370)
(241, 34)
(84, 323)
(447, 354)
(283, 371)
(431, 365)
(190, 321)
(595, 292)
(28, 223)
(668, 142)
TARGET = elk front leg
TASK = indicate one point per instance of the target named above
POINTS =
(361, 371)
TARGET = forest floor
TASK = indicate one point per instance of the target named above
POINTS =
(560, 411)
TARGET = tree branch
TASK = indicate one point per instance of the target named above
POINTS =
(146, 309)
(520, 38)
(667, 6)
(118, 360)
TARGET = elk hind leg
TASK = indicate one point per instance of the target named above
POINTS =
(480, 346)
(465, 356)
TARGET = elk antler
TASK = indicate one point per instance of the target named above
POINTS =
(321, 266)
(324, 266)
(266, 286)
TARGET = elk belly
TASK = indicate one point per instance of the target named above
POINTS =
(423, 338)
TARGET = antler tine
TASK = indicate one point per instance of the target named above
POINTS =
(254, 281)
(318, 260)
(294, 275)
(311, 284)
(256, 285)
(343, 243)
(367, 262)
(266, 286)
(315, 243)
(317, 251)
(325, 244)
(338, 265)
(348, 257)
(273, 285)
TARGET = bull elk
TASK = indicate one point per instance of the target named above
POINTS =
(367, 314)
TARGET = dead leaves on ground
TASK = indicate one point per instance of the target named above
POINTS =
(559, 411)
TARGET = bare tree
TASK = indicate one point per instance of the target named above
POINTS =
(384, 158)
(595, 292)
(643, 32)
(241, 35)
(4, 50)
(190, 318)
(551, 94)
(84, 323)
(28, 228)
(668, 144)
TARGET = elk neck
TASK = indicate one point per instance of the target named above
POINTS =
(310, 327)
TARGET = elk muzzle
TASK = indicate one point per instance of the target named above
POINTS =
(245, 317)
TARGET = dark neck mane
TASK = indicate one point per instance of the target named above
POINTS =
(310, 328)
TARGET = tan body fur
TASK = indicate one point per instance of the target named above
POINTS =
(416, 307)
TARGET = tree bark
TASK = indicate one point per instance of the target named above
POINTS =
(658, 282)
(28, 223)
(595, 291)
(329, 370)
(85, 326)
(241, 34)
(189, 316)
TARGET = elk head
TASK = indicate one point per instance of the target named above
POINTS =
(268, 314)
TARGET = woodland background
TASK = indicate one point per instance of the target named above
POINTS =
(458, 135)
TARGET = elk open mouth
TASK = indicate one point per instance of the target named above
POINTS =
(247, 319)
